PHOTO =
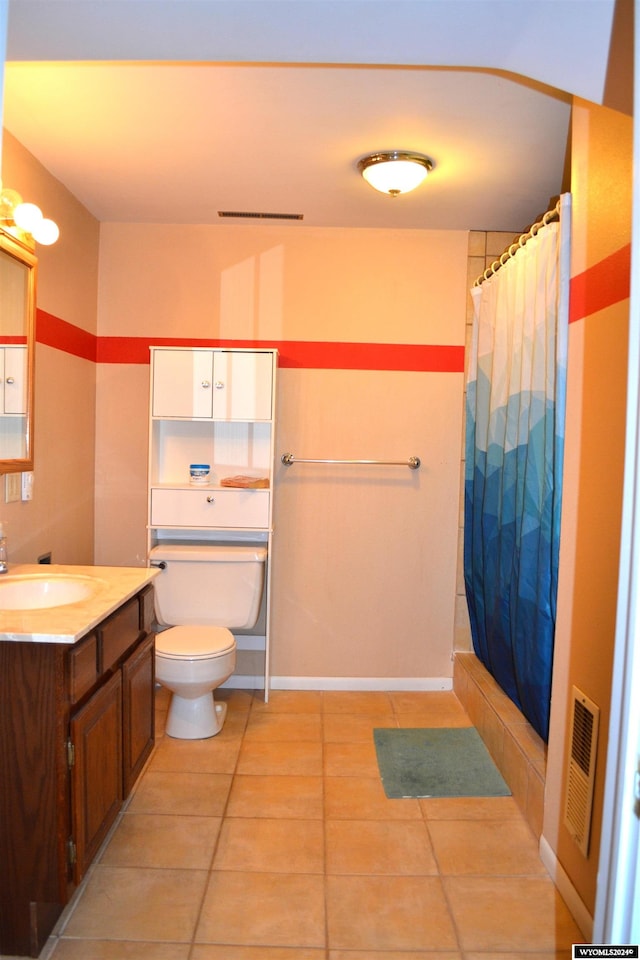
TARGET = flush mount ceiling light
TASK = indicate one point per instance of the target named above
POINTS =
(394, 171)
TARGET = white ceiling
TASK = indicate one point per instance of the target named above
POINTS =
(203, 121)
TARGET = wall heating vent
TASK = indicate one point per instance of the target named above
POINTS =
(260, 216)
(581, 770)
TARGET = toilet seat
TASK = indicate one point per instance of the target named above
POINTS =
(194, 643)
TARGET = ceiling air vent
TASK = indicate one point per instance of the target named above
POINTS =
(247, 215)
(581, 770)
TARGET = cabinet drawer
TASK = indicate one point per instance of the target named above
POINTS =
(210, 508)
(84, 667)
(120, 632)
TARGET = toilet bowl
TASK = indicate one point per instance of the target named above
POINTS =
(191, 662)
(204, 591)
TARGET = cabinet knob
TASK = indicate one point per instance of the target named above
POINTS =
(205, 384)
(219, 385)
(10, 380)
(211, 499)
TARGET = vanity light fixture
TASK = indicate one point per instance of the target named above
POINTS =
(395, 171)
(25, 220)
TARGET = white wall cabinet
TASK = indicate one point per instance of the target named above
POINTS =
(213, 384)
(215, 406)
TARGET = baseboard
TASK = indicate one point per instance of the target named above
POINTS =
(362, 683)
(567, 890)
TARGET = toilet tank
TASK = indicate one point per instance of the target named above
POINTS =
(212, 584)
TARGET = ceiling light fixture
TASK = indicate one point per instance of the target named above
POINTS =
(25, 220)
(394, 171)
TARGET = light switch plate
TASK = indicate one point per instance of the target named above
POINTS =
(12, 487)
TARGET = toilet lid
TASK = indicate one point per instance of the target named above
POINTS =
(194, 643)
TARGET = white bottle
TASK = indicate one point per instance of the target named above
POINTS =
(3, 550)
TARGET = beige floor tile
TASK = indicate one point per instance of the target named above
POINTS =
(239, 701)
(470, 808)
(209, 951)
(418, 721)
(350, 760)
(191, 794)
(234, 724)
(276, 796)
(352, 728)
(290, 701)
(276, 846)
(130, 903)
(283, 726)
(148, 840)
(496, 847)
(363, 798)
(118, 950)
(388, 913)
(439, 708)
(301, 759)
(510, 914)
(396, 955)
(263, 909)
(196, 756)
(365, 701)
(397, 847)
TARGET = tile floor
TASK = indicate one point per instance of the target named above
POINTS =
(275, 841)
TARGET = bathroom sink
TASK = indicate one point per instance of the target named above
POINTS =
(39, 592)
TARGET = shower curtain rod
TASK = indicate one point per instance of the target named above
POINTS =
(549, 217)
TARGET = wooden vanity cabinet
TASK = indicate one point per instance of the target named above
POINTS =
(76, 727)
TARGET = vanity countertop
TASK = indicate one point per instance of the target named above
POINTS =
(68, 623)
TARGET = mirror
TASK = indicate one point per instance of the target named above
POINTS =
(18, 268)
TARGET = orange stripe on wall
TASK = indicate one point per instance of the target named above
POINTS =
(54, 332)
(602, 285)
(305, 354)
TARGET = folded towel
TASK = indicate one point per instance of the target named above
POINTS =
(252, 483)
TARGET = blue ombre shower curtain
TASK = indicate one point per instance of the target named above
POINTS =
(515, 412)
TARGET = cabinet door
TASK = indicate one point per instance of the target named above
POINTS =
(96, 775)
(15, 380)
(138, 677)
(242, 385)
(182, 383)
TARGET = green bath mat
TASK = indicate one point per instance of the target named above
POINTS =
(436, 762)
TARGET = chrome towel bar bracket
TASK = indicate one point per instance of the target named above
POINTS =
(413, 462)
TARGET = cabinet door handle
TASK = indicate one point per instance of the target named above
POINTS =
(211, 499)
(219, 385)
(10, 380)
(205, 384)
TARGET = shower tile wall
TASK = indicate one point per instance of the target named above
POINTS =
(484, 248)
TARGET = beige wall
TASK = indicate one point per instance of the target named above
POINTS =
(364, 561)
(594, 451)
(60, 517)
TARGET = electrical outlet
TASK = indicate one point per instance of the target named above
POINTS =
(27, 485)
(12, 491)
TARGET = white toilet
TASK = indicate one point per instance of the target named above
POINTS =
(204, 591)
